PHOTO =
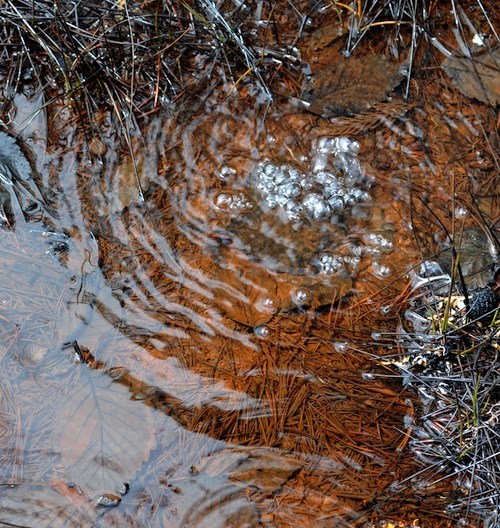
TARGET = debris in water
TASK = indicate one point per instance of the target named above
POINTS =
(109, 500)
(477, 77)
(350, 86)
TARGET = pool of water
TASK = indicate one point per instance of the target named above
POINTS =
(188, 325)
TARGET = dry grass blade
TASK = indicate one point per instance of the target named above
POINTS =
(140, 53)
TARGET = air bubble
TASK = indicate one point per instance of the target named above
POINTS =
(325, 145)
(271, 200)
(307, 183)
(381, 242)
(266, 304)
(350, 199)
(268, 169)
(361, 195)
(381, 270)
(293, 210)
(227, 173)
(283, 199)
(325, 178)
(319, 163)
(292, 174)
(336, 203)
(262, 331)
(355, 147)
(291, 190)
(335, 180)
(352, 261)
(343, 144)
(266, 184)
(280, 178)
(301, 296)
(316, 206)
(233, 202)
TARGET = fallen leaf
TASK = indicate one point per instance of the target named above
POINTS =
(477, 77)
(350, 86)
(101, 435)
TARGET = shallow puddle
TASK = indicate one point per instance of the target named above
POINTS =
(191, 336)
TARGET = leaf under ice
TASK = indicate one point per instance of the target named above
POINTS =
(102, 435)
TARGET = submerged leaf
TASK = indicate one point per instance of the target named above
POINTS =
(349, 86)
(477, 77)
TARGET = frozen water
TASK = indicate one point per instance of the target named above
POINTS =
(322, 196)
(13, 162)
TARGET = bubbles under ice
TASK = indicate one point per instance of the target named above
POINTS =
(334, 182)
(310, 215)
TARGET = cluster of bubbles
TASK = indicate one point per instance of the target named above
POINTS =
(331, 190)
(335, 182)
(233, 202)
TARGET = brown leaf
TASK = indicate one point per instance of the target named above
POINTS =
(349, 86)
(477, 77)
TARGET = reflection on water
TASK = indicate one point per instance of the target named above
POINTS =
(187, 360)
